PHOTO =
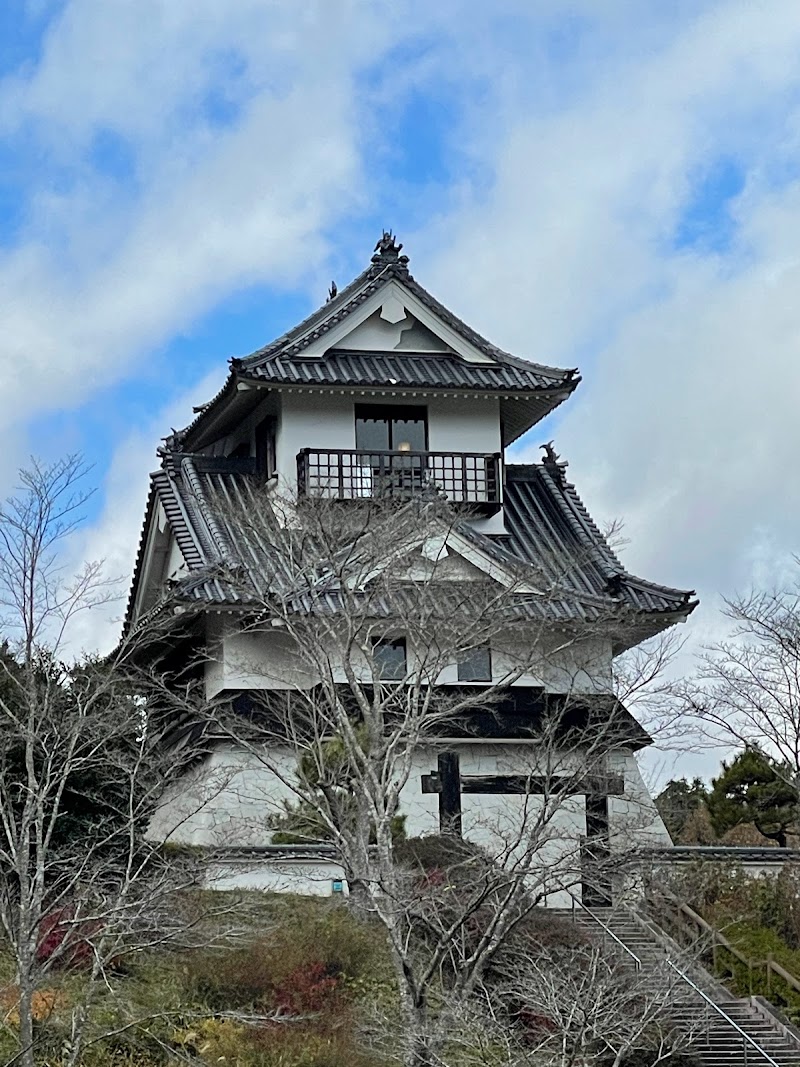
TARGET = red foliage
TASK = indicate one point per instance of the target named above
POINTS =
(59, 927)
(433, 878)
(535, 1023)
(311, 988)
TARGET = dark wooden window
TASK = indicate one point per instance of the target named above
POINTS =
(242, 451)
(476, 665)
(381, 427)
(597, 816)
(389, 658)
(265, 447)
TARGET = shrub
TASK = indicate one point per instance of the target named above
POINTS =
(68, 941)
(277, 1045)
(646, 1058)
(437, 852)
(760, 916)
(44, 1003)
(295, 966)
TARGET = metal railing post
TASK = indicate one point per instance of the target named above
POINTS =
(748, 1043)
(636, 961)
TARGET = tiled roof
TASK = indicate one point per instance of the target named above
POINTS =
(548, 522)
(398, 368)
(547, 526)
(282, 362)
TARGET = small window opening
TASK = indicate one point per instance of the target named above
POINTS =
(265, 447)
(389, 659)
(476, 665)
(395, 429)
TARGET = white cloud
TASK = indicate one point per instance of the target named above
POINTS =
(684, 424)
(113, 537)
(104, 269)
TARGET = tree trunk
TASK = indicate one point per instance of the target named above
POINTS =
(26, 1057)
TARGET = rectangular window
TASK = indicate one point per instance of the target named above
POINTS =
(389, 658)
(476, 665)
(265, 447)
(384, 428)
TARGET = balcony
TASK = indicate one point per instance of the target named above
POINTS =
(469, 480)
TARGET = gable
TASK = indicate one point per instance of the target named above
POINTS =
(162, 561)
(451, 555)
(407, 334)
(434, 558)
(394, 319)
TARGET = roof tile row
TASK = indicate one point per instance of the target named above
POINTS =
(547, 526)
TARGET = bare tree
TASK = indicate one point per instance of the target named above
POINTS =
(577, 1004)
(747, 692)
(85, 752)
(353, 619)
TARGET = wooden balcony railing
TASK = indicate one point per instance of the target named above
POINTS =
(471, 479)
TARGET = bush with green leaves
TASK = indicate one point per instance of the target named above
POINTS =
(759, 916)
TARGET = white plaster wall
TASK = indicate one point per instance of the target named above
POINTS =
(265, 659)
(268, 659)
(634, 816)
(327, 420)
(494, 821)
(230, 799)
(464, 424)
(308, 877)
(587, 670)
(312, 420)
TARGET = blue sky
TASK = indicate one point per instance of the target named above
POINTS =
(612, 186)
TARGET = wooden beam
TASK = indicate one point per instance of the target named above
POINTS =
(522, 784)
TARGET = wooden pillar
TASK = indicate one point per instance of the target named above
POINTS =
(449, 774)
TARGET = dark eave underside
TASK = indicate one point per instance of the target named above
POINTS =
(517, 712)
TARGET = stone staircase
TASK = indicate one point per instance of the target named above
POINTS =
(701, 1006)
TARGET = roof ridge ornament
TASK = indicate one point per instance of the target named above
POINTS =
(553, 463)
(387, 252)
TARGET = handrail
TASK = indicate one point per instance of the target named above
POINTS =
(718, 938)
(724, 1014)
(683, 976)
(398, 452)
(720, 1011)
(636, 961)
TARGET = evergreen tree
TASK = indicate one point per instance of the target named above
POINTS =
(753, 789)
(678, 800)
